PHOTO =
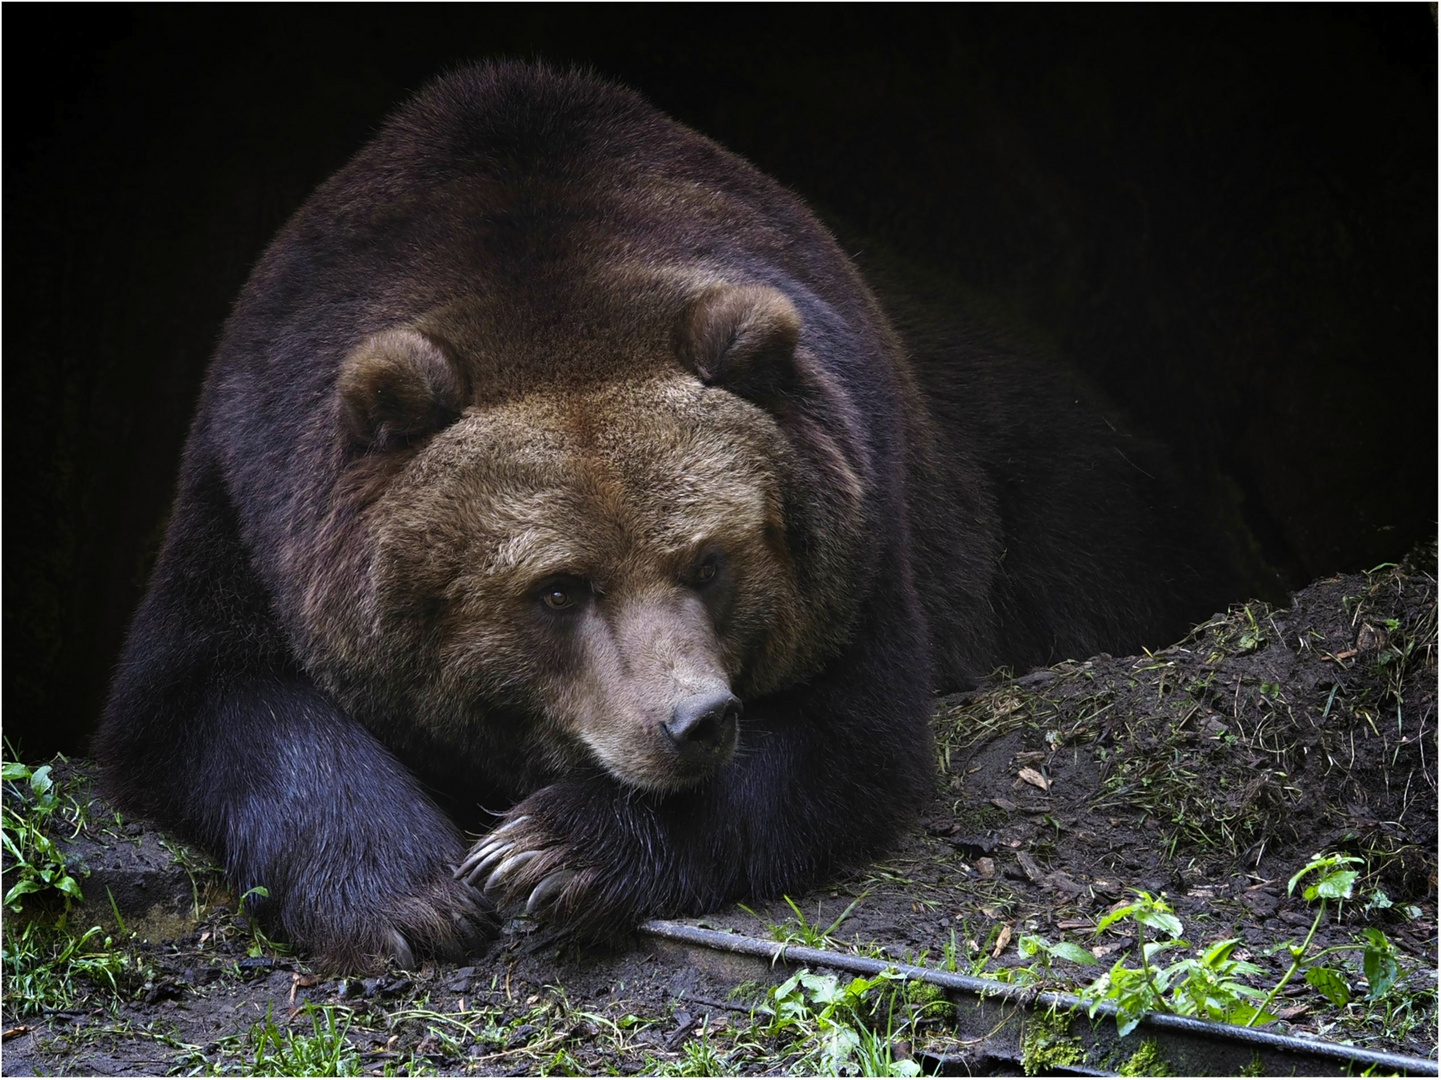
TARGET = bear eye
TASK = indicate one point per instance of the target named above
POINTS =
(707, 570)
(563, 594)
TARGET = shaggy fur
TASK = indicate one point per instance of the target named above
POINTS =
(545, 438)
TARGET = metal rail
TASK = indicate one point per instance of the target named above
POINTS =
(995, 1014)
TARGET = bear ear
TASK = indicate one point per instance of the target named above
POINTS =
(743, 338)
(397, 386)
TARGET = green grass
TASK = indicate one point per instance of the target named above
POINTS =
(50, 967)
(699, 1057)
(320, 1048)
(799, 931)
(322, 1051)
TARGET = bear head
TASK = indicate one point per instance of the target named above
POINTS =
(568, 547)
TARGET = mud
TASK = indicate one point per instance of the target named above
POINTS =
(1208, 772)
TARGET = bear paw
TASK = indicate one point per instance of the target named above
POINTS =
(443, 920)
(520, 865)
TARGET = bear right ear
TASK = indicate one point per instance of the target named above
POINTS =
(397, 386)
(743, 338)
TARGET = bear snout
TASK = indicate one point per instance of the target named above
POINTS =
(703, 727)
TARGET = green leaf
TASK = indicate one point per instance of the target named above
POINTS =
(1151, 948)
(1029, 945)
(824, 989)
(1181, 967)
(20, 888)
(1241, 990)
(1241, 967)
(785, 989)
(40, 781)
(1329, 982)
(1074, 953)
(1336, 886)
(1382, 981)
(1249, 1016)
(1114, 916)
(1160, 920)
(1379, 964)
(1326, 863)
(1219, 952)
(843, 1042)
(1376, 939)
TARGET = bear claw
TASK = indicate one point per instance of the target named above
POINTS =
(400, 951)
(480, 860)
(509, 865)
(512, 823)
(483, 857)
(547, 889)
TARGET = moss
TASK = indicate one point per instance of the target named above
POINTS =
(1147, 1061)
(924, 994)
(1048, 1043)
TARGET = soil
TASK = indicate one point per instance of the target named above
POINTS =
(1209, 773)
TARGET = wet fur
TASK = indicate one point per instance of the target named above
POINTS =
(491, 341)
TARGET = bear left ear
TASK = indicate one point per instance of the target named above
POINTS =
(743, 338)
(399, 385)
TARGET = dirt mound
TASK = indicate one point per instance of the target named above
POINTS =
(1265, 736)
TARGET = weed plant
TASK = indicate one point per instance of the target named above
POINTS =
(46, 964)
(34, 864)
(1213, 983)
(324, 1051)
(851, 1028)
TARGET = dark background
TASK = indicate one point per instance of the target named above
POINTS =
(1227, 217)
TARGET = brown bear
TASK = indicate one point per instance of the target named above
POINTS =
(556, 466)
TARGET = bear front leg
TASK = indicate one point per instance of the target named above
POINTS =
(821, 777)
(356, 858)
(295, 797)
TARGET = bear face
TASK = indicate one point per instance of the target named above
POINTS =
(570, 573)
(599, 582)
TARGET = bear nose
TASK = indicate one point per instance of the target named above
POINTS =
(704, 721)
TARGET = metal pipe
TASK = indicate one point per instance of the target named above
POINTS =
(1162, 1025)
